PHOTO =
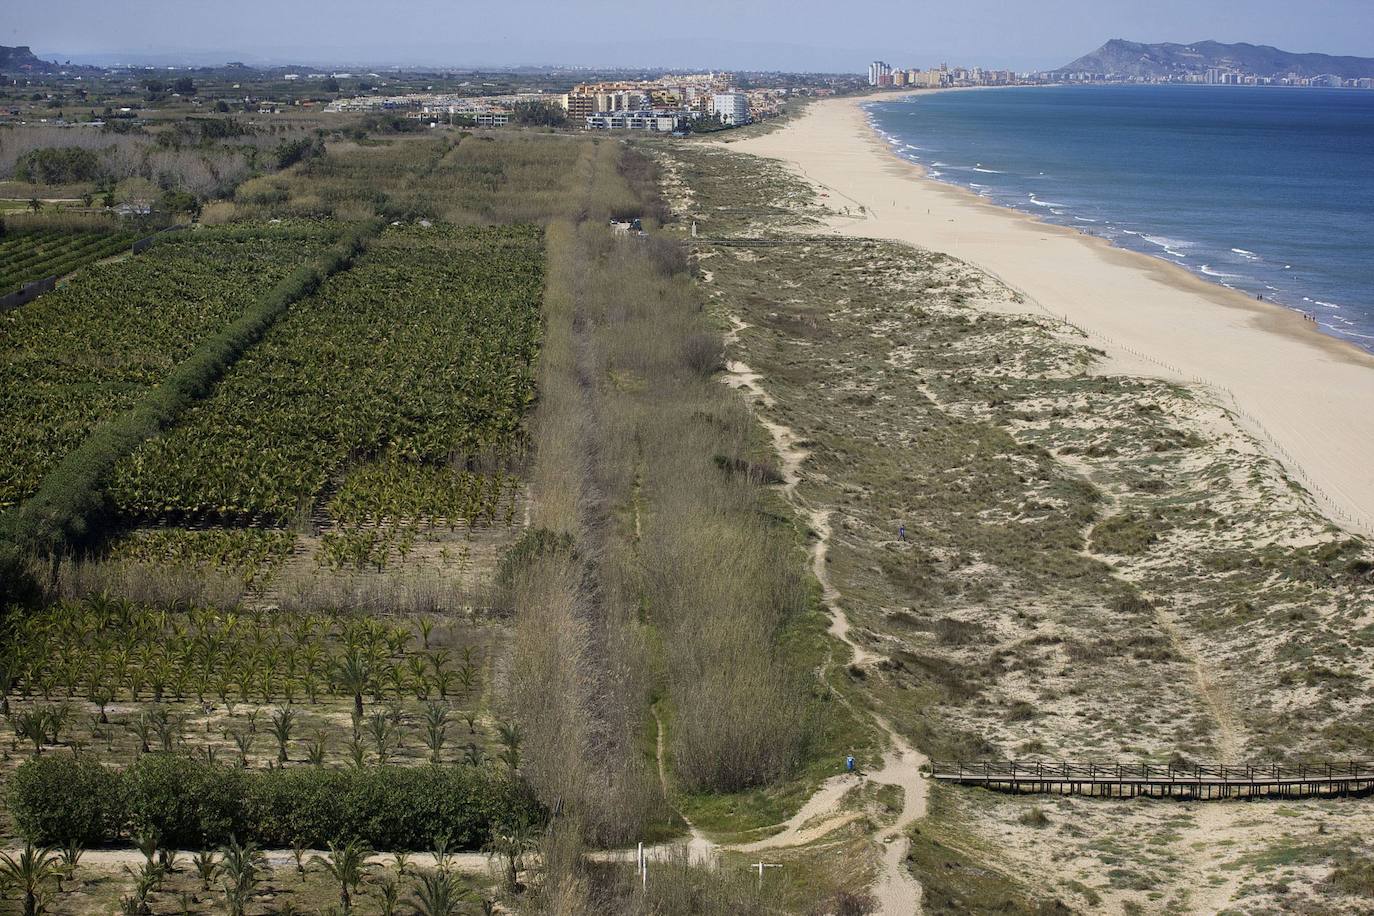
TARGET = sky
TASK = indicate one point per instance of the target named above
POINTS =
(798, 35)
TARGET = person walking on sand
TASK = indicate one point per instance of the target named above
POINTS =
(901, 532)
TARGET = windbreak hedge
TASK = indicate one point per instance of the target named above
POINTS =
(193, 804)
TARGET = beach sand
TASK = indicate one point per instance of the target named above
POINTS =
(1307, 397)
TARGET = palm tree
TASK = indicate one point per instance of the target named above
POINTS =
(143, 728)
(436, 727)
(441, 893)
(206, 865)
(511, 841)
(419, 676)
(245, 745)
(442, 857)
(241, 867)
(9, 670)
(283, 721)
(353, 674)
(32, 725)
(390, 893)
(382, 733)
(30, 874)
(71, 857)
(345, 865)
(510, 737)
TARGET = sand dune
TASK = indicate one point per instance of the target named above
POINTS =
(1308, 396)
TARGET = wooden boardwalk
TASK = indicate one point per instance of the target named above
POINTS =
(1130, 780)
(755, 242)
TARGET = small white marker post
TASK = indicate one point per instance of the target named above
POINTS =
(761, 866)
(643, 868)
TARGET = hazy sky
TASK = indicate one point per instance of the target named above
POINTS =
(764, 34)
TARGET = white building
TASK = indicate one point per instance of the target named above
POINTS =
(879, 73)
(656, 121)
(731, 107)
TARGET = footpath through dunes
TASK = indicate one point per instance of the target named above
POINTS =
(896, 890)
(1305, 394)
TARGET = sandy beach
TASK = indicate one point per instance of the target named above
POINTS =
(1308, 397)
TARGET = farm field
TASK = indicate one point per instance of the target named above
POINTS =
(468, 178)
(420, 355)
(431, 562)
(92, 348)
(121, 679)
(429, 344)
(32, 254)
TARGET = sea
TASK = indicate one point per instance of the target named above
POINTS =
(1265, 190)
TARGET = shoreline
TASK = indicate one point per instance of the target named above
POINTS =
(924, 171)
(1305, 394)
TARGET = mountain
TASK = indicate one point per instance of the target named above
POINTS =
(1119, 57)
(20, 59)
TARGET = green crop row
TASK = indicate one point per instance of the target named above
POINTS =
(59, 256)
(422, 353)
(92, 348)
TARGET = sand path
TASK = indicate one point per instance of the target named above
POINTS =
(1305, 394)
(896, 890)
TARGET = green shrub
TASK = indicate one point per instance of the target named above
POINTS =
(56, 800)
(186, 803)
(290, 805)
(406, 808)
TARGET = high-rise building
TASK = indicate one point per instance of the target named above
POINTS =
(731, 107)
(877, 72)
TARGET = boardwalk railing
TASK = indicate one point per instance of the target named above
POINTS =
(756, 242)
(1128, 780)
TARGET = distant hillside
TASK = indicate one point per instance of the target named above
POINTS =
(21, 60)
(1130, 58)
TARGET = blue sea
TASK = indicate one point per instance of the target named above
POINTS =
(1269, 191)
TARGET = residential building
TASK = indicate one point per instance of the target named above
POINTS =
(654, 121)
(731, 107)
(879, 74)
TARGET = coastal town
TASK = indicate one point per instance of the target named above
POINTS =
(671, 104)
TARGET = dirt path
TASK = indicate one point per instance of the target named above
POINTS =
(897, 892)
(1212, 694)
(699, 847)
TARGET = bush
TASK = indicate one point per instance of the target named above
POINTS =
(186, 803)
(56, 800)
(388, 807)
(189, 803)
